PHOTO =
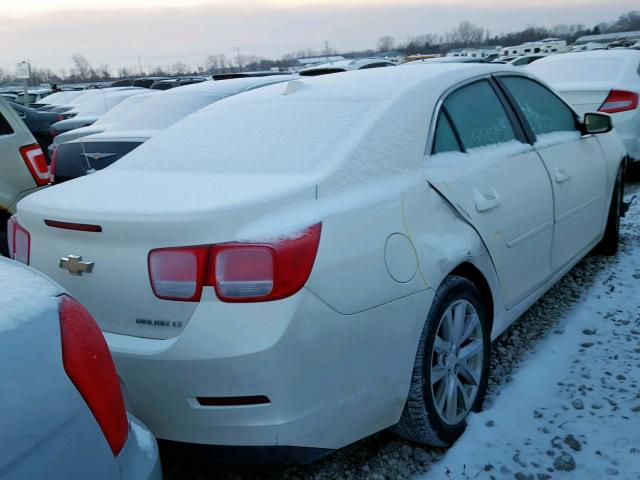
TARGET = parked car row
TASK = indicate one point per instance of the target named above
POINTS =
(296, 263)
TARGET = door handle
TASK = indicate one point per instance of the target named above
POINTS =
(487, 202)
(561, 175)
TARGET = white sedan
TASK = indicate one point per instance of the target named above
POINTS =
(603, 80)
(309, 263)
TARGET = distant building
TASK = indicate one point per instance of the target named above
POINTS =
(608, 37)
(481, 52)
(546, 45)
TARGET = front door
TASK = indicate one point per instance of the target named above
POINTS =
(497, 182)
(575, 163)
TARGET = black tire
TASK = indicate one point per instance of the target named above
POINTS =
(608, 246)
(420, 421)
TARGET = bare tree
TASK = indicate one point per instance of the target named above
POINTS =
(83, 67)
(211, 63)
(386, 43)
(179, 68)
(465, 34)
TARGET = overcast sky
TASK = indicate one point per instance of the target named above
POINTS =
(116, 32)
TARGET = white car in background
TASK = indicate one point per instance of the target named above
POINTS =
(63, 416)
(88, 112)
(345, 66)
(100, 125)
(306, 264)
(603, 80)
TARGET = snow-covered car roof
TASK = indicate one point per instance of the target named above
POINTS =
(167, 107)
(610, 67)
(104, 101)
(333, 131)
(61, 98)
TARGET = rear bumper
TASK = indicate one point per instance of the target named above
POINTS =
(330, 379)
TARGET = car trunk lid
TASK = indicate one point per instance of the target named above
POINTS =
(135, 217)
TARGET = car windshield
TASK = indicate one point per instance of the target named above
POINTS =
(579, 69)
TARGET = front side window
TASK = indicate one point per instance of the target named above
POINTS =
(478, 116)
(543, 110)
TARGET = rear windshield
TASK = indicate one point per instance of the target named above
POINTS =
(579, 69)
(294, 137)
(160, 111)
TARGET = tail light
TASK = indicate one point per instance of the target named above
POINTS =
(88, 364)
(36, 163)
(619, 101)
(61, 117)
(53, 132)
(19, 241)
(239, 272)
(53, 165)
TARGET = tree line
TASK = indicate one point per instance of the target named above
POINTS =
(466, 34)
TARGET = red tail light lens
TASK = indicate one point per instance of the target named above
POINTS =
(88, 364)
(619, 101)
(36, 163)
(240, 272)
(178, 273)
(61, 117)
(19, 241)
(53, 132)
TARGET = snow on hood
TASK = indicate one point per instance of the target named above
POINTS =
(25, 294)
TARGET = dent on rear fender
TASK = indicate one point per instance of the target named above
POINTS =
(442, 240)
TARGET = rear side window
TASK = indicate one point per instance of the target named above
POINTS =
(5, 128)
(478, 116)
(543, 110)
(445, 140)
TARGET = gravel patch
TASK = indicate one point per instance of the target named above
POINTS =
(384, 456)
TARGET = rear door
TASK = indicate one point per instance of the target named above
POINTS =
(481, 163)
(575, 164)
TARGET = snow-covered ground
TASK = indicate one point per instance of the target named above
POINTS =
(564, 389)
(574, 404)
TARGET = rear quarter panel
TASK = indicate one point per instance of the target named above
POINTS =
(46, 429)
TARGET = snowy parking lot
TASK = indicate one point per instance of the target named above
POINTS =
(563, 400)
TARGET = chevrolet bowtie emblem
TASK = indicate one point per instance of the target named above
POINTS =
(98, 155)
(75, 265)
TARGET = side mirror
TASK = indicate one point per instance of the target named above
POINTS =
(595, 123)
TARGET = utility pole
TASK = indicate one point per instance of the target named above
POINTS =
(24, 73)
(326, 49)
(140, 65)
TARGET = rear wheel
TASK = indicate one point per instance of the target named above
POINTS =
(609, 243)
(451, 368)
